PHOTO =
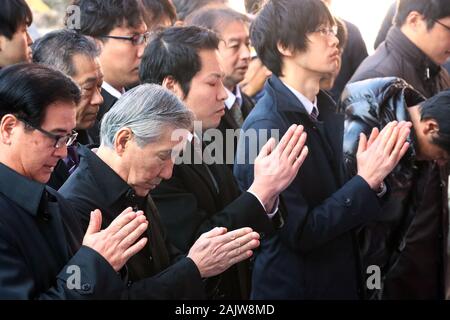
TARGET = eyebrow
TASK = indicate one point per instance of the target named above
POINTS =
(89, 81)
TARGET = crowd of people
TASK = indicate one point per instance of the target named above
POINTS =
(179, 149)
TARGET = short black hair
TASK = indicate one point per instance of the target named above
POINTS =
(174, 52)
(99, 17)
(155, 9)
(186, 7)
(287, 22)
(438, 108)
(432, 10)
(215, 19)
(27, 89)
(57, 49)
(14, 14)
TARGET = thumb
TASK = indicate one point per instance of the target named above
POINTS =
(95, 222)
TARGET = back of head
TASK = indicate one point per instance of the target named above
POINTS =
(57, 49)
(286, 22)
(26, 90)
(174, 52)
(147, 110)
(215, 19)
(431, 10)
(14, 14)
(438, 108)
(99, 17)
(155, 10)
(253, 6)
(186, 7)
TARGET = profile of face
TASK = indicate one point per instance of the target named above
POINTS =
(33, 153)
(207, 95)
(434, 42)
(120, 58)
(17, 49)
(89, 77)
(235, 52)
(427, 130)
(145, 167)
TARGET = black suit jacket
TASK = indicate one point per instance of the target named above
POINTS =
(314, 255)
(40, 247)
(190, 205)
(108, 102)
(95, 185)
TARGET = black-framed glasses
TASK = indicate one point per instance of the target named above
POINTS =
(136, 39)
(67, 139)
(442, 24)
(328, 31)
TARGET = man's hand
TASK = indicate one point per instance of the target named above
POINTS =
(217, 250)
(378, 156)
(276, 167)
(117, 242)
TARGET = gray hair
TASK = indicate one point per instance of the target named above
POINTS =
(56, 49)
(146, 110)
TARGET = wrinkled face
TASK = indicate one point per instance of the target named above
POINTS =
(17, 49)
(149, 165)
(89, 77)
(35, 154)
(435, 42)
(120, 58)
(207, 95)
(235, 52)
(322, 54)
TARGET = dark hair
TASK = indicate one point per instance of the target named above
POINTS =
(57, 49)
(215, 18)
(438, 108)
(174, 52)
(286, 22)
(253, 6)
(26, 90)
(342, 33)
(154, 10)
(432, 10)
(99, 17)
(186, 7)
(13, 15)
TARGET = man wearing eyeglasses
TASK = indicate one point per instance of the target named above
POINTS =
(415, 49)
(44, 251)
(119, 28)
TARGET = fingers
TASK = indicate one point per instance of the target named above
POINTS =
(267, 148)
(237, 246)
(300, 159)
(399, 149)
(131, 251)
(131, 238)
(362, 144)
(298, 149)
(235, 234)
(391, 142)
(122, 220)
(286, 138)
(292, 143)
(373, 136)
(214, 233)
(95, 222)
(128, 229)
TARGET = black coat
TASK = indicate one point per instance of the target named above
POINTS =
(158, 271)
(409, 240)
(108, 102)
(399, 57)
(314, 255)
(40, 244)
(190, 205)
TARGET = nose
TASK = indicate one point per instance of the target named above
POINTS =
(29, 40)
(334, 41)
(167, 170)
(97, 98)
(61, 152)
(140, 50)
(245, 52)
(222, 95)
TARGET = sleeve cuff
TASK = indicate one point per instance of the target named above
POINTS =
(274, 209)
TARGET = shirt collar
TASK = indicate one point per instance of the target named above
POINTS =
(111, 90)
(232, 97)
(25, 192)
(309, 106)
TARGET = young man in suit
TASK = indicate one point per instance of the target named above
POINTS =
(15, 41)
(234, 49)
(202, 194)
(314, 255)
(120, 30)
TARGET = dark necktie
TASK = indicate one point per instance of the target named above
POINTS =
(314, 114)
(236, 112)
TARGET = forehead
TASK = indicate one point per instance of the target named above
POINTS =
(60, 114)
(210, 64)
(170, 138)
(86, 67)
(235, 29)
(128, 30)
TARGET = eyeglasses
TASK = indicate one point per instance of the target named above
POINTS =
(136, 39)
(67, 139)
(327, 32)
(445, 26)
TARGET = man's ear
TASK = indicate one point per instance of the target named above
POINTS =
(284, 50)
(415, 20)
(430, 127)
(7, 128)
(123, 140)
(173, 85)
